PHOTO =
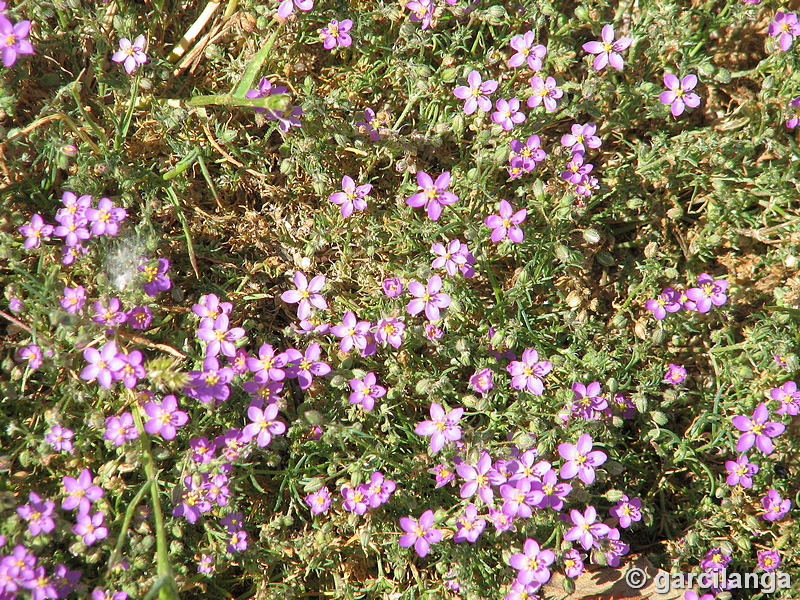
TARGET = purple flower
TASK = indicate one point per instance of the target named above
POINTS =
(351, 197)
(476, 479)
(453, 257)
(544, 91)
(532, 563)
(775, 507)
(390, 331)
(443, 475)
(109, 315)
(211, 383)
(785, 27)
(268, 366)
(64, 580)
(155, 278)
(432, 332)
(60, 437)
(527, 51)
(505, 224)
(105, 218)
(481, 381)
(287, 7)
(519, 498)
(433, 194)
(769, 560)
(306, 294)
(120, 429)
(581, 460)
(741, 471)
(476, 93)
(38, 514)
(15, 305)
(527, 373)
(193, 501)
(237, 541)
(265, 89)
(757, 430)
(355, 500)
(74, 208)
(203, 450)
(421, 534)
(675, 374)
(576, 171)
(139, 317)
(90, 527)
(715, 560)
(335, 34)
(73, 231)
(103, 364)
(33, 354)
(422, 11)
(131, 55)
(263, 393)
(667, 301)
(319, 501)
(263, 425)
(529, 153)
(794, 120)
(165, 418)
(507, 113)
(573, 563)
(678, 93)
(789, 398)
(73, 299)
(442, 427)
(607, 49)
(580, 137)
(36, 230)
(366, 391)
(587, 401)
(500, 520)
(131, 370)
(101, 594)
(612, 548)
(369, 119)
(429, 298)
(627, 510)
(13, 40)
(709, 292)
(469, 525)
(378, 490)
(209, 308)
(552, 492)
(39, 584)
(219, 337)
(585, 529)
(206, 564)
(392, 287)
(305, 367)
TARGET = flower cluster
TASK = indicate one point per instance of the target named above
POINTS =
(453, 258)
(364, 496)
(708, 293)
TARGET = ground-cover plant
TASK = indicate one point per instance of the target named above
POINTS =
(374, 300)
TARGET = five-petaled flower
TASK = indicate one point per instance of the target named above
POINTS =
(505, 224)
(757, 430)
(306, 294)
(528, 51)
(527, 373)
(785, 27)
(131, 54)
(420, 534)
(532, 563)
(165, 418)
(442, 427)
(581, 460)
(476, 93)
(433, 194)
(679, 94)
(13, 40)
(607, 50)
(544, 91)
(351, 197)
(335, 34)
(429, 298)
(507, 113)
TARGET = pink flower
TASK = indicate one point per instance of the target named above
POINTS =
(165, 418)
(506, 223)
(607, 49)
(352, 332)
(35, 231)
(351, 197)
(421, 534)
(422, 11)
(544, 91)
(428, 298)
(335, 34)
(131, 55)
(481, 381)
(508, 114)
(585, 529)
(12, 40)
(757, 430)
(527, 51)
(392, 287)
(476, 93)
(527, 373)
(305, 367)
(581, 460)
(366, 391)
(442, 427)
(533, 563)
(794, 120)
(319, 501)
(263, 425)
(433, 195)
(287, 7)
(307, 294)
(785, 27)
(678, 93)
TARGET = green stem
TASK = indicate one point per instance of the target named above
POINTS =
(97, 131)
(230, 9)
(253, 69)
(186, 162)
(126, 122)
(167, 589)
(126, 521)
(279, 102)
